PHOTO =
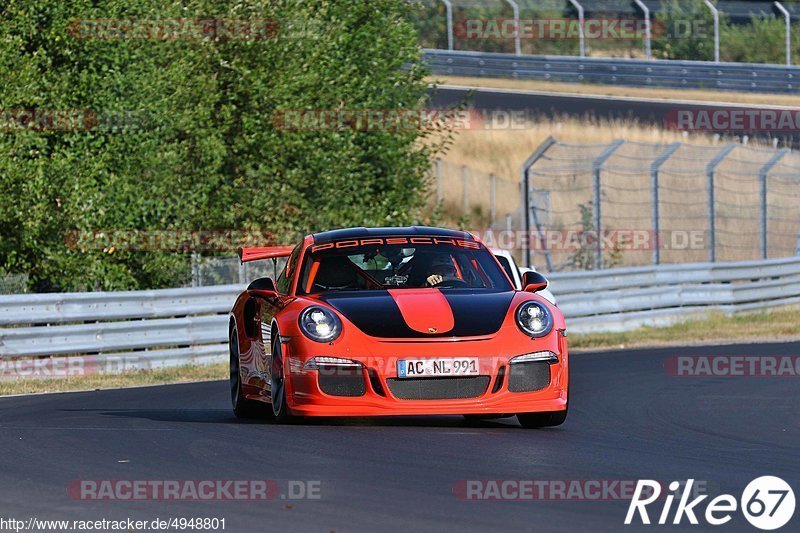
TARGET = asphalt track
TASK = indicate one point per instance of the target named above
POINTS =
(628, 420)
(647, 111)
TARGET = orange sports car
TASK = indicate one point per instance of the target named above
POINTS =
(396, 321)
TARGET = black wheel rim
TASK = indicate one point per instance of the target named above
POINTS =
(276, 381)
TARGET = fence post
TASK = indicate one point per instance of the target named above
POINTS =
(762, 175)
(788, 19)
(493, 196)
(464, 178)
(438, 180)
(242, 275)
(517, 41)
(715, 13)
(525, 191)
(581, 28)
(448, 6)
(597, 167)
(654, 171)
(712, 223)
(647, 29)
(196, 282)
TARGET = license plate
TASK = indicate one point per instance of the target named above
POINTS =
(423, 368)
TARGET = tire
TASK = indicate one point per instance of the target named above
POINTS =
(542, 420)
(277, 386)
(242, 407)
(479, 418)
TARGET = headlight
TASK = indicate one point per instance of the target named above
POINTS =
(320, 324)
(534, 319)
(315, 362)
(537, 357)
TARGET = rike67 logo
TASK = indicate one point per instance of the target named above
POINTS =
(767, 503)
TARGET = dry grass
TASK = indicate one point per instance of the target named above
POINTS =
(634, 92)
(503, 151)
(140, 378)
(773, 326)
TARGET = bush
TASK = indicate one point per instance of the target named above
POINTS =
(186, 138)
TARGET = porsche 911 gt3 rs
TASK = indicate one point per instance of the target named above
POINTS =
(396, 321)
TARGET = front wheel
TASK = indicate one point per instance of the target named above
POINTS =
(542, 420)
(481, 418)
(280, 407)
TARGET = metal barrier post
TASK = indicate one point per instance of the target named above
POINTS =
(438, 180)
(715, 13)
(597, 167)
(493, 195)
(517, 42)
(654, 169)
(448, 6)
(526, 202)
(195, 270)
(465, 178)
(712, 223)
(647, 29)
(581, 33)
(762, 175)
(787, 17)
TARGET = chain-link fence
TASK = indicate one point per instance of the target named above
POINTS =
(658, 203)
(631, 203)
(13, 283)
(470, 198)
(228, 270)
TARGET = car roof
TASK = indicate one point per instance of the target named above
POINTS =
(409, 231)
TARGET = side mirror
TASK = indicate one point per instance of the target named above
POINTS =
(263, 284)
(533, 282)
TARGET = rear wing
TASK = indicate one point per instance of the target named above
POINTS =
(268, 252)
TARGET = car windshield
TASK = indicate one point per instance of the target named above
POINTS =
(400, 263)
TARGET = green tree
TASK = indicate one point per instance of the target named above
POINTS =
(186, 138)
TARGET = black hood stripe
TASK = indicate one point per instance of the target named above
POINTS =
(476, 313)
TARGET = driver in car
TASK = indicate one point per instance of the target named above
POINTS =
(441, 269)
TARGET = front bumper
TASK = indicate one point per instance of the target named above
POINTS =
(375, 389)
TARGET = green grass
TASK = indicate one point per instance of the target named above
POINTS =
(183, 374)
(783, 324)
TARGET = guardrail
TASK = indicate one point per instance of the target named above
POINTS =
(115, 331)
(746, 77)
(161, 328)
(626, 298)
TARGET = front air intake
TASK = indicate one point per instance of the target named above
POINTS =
(438, 388)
